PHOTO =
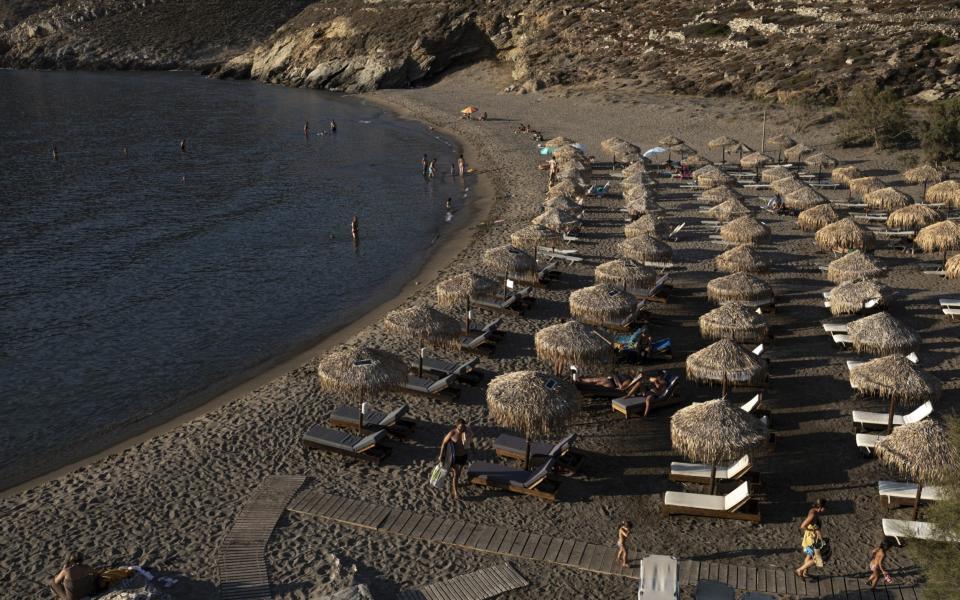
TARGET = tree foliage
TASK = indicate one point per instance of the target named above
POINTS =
(941, 135)
(874, 117)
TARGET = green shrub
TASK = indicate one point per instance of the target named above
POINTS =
(874, 117)
(940, 139)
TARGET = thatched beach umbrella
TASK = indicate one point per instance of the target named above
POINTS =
(426, 324)
(924, 174)
(849, 297)
(742, 259)
(944, 236)
(639, 179)
(729, 209)
(724, 362)
(821, 161)
(787, 184)
(695, 160)
(921, 451)
(566, 187)
(771, 174)
(843, 175)
(739, 287)
(620, 148)
(887, 199)
(626, 274)
(722, 142)
(558, 141)
(713, 432)
(947, 192)
(510, 261)
(562, 202)
(855, 265)
(633, 169)
(669, 140)
(733, 321)
(638, 191)
(556, 219)
(952, 267)
(781, 142)
(861, 186)
(573, 343)
(880, 334)
(913, 216)
(797, 153)
(755, 160)
(636, 207)
(601, 303)
(462, 288)
(359, 372)
(713, 177)
(740, 148)
(896, 379)
(647, 224)
(531, 237)
(845, 234)
(816, 217)
(745, 230)
(646, 247)
(532, 402)
(720, 194)
(803, 198)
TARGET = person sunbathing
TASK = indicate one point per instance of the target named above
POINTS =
(75, 580)
(617, 381)
(656, 385)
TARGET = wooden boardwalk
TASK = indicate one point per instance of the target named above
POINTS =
(479, 585)
(243, 571)
(576, 554)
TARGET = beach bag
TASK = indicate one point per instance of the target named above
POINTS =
(821, 551)
(438, 475)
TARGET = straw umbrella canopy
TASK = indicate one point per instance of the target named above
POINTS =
(944, 236)
(738, 287)
(562, 202)
(729, 209)
(633, 169)
(781, 141)
(558, 141)
(641, 206)
(740, 148)
(742, 259)
(669, 140)
(733, 321)
(556, 219)
(921, 451)
(862, 186)
(896, 379)
(816, 217)
(359, 372)
(601, 303)
(887, 199)
(572, 343)
(566, 187)
(633, 191)
(722, 142)
(625, 273)
(843, 175)
(713, 432)
(510, 261)
(821, 161)
(745, 230)
(645, 224)
(946, 191)
(465, 287)
(845, 234)
(797, 152)
(787, 184)
(720, 193)
(881, 334)
(771, 174)
(849, 297)
(695, 160)
(532, 402)
(723, 362)
(854, 265)
(646, 247)
(803, 198)
(755, 160)
(712, 179)
(952, 267)
(924, 174)
(618, 147)
(532, 237)
(641, 178)
(913, 216)
(426, 324)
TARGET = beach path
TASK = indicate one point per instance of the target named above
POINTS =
(479, 585)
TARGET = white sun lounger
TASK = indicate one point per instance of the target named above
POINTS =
(751, 404)
(835, 327)
(866, 442)
(950, 302)
(660, 265)
(863, 419)
(570, 238)
(919, 530)
(484, 336)
(758, 351)
(659, 578)
(708, 505)
(903, 493)
(542, 249)
(676, 231)
(841, 339)
(700, 473)
(443, 368)
(570, 258)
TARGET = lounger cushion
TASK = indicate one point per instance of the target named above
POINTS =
(351, 414)
(517, 445)
(867, 440)
(920, 530)
(369, 441)
(907, 491)
(708, 501)
(341, 440)
(730, 471)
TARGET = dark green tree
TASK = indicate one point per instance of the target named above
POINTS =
(871, 116)
(940, 139)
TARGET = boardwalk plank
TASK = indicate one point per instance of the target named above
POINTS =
(532, 541)
(564, 555)
(553, 550)
(464, 534)
(519, 542)
(713, 571)
(508, 541)
(722, 571)
(495, 540)
(576, 554)
(687, 571)
(752, 580)
(781, 579)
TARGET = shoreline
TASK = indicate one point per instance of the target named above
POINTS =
(448, 245)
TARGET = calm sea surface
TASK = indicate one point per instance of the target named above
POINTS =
(135, 277)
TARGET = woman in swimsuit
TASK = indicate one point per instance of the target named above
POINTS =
(460, 437)
(622, 534)
(877, 555)
(811, 535)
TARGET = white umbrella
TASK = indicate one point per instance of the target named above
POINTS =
(654, 151)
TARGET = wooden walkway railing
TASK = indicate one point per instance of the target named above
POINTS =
(243, 571)
(479, 585)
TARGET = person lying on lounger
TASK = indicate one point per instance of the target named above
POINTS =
(656, 385)
(617, 381)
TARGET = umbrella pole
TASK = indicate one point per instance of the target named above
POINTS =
(526, 459)
(723, 155)
(713, 479)
(893, 406)
(916, 502)
(420, 364)
(468, 315)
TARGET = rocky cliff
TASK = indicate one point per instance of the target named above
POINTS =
(774, 49)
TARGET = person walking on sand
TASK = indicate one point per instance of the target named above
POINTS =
(459, 440)
(75, 580)
(56, 154)
(812, 537)
(877, 556)
(622, 533)
(461, 165)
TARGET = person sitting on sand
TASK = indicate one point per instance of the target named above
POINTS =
(656, 385)
(877, 556)
(75, 580)
(811, 536)
(622, 533)
(460, 438)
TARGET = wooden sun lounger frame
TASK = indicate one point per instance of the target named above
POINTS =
(748, 470)
(736, 514)
(545, 490)
(376, 454)
(403, 427)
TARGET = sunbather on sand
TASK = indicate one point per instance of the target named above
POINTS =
(76, 580)
(656, 385)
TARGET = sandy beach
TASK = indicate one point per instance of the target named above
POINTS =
(165, 499)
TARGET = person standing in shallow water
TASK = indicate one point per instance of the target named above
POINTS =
(306, 129)
(355, 229)
(333, 126)
(424, 165)
(183, 145)
(461, 165)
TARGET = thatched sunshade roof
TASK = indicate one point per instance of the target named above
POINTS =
(946, 191)
(682, 148)
(881, 334)
(633, 169)
(816, 217)
(786, 185)
(924, 174)
(467, 285)
(556, 219)
(645, 247)
(566, 187)
(740, 148)
(725, 361)
(641, 178)
(921, 451)
(745, 230)
(820, 160)
(803, 198)
(639, 192)
(695, 160)
(358, 372)
(620, 148)
(771, 174)
(713, 432)
(729, 209)
(532, 236)
(425, 323)
(601, 303)
(742, 259)
(944, 236)
(721, 142)
(739, 287)
(844, 175)
(797, 153)
(511, 261)
(573, 343)
(781, 140)
(712, 179)
(720, 194)
(849, 297)
(645, 224)
(642, 206)
(887, 199)
(896, 378)
(862, 186)
(562, 202)
(845, 234)
(913, 216)
(733, 321)
(558, 141)
(669, 141)
(755, 160)
(952, 267)
(854, 265)
(625, 273)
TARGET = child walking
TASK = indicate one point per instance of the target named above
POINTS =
(877, 556)
(622, 535)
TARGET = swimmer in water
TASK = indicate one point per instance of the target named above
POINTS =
(183, 145)
(56, 155)
(306, 129)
